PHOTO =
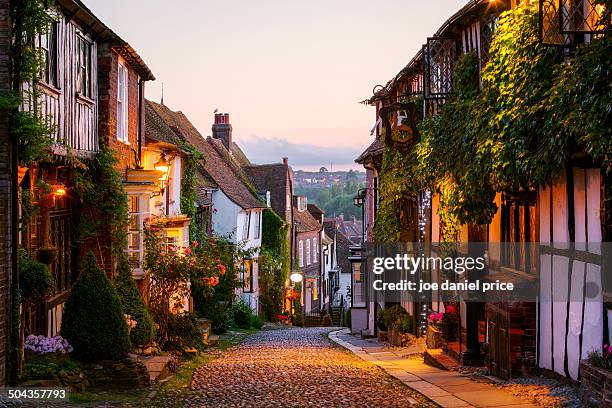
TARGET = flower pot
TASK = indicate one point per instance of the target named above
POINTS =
(48, 358)
(47, 255)
(434, 339)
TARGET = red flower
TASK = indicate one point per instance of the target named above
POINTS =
(221, 269)
(187, 251)
(450, 309)
(195, 244)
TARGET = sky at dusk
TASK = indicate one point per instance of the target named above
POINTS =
(291, 73)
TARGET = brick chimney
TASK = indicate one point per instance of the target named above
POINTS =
(222, 129)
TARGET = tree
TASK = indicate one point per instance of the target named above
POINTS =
(93, 321)
(133, 305)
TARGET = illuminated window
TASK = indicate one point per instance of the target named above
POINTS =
(301, 252)
(122, 103)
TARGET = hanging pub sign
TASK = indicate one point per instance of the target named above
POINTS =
(408, 115)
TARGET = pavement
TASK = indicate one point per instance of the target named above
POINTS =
(295, 367)
(445, 388)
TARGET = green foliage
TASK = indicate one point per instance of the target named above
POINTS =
(133, 305)
(391, 315)
(29, 19)
(242, 315)
(183, 332)
(220, 315)
(35, 280)
(274, 264)
(336, 199)
(535, 110)
(188, 189)
(104, 201)
(49, 371)
(93, 322)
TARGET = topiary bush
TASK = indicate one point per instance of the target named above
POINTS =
(133, 305)
(93, 321)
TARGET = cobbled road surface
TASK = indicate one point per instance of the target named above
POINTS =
(295, 367)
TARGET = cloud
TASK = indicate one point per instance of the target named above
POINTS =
(263, 150)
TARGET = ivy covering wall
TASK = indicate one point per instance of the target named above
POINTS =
(275, 262)
(536, 108)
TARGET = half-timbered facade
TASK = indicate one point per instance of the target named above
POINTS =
(569, 218)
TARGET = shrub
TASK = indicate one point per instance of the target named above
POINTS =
(242, 315)
(601, 358)
(183, 332)
(391, 315)
(48, 371)
(35, 280)
(133, 305)
(257, 323)
(404, 323)
(93, 321)
(220, 315)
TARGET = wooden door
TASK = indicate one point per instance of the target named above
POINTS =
(499, 342)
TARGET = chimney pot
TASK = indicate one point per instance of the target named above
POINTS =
(285, 161)
(222, 130)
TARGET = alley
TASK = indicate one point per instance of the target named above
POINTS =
(296, 367)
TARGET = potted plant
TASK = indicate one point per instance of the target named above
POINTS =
(44, 350)
(434, 331)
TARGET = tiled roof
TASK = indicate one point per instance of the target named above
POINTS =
(274, 178)
(375, 148)
(239, 155)
(305, 221)
(157, 129)
(219, 168)
(343, 245)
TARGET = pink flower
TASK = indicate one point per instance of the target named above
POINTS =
(187, 251)
(195, 244)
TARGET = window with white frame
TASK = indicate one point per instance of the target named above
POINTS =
(315, 250)
(247, 225)
(301, 252)
(307, 252)
(83, 67)
(256, 234)
(122, 103)
(138, 206)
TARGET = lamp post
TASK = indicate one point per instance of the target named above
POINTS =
(359, 201)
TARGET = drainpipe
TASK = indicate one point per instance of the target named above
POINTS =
(140, 119)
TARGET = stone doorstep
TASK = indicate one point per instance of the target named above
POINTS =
(157, 366)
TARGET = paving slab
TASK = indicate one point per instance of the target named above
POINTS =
(446, 388)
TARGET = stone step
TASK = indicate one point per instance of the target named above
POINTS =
(157, 366)
(212, 340)
(437, 358)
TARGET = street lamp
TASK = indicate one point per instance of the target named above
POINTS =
(359, 201)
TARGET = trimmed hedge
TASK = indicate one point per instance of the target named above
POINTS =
(133, 305)
(93, 321)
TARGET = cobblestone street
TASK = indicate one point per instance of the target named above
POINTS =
(294, 367)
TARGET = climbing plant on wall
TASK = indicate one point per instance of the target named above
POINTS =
(275, 262)
(188, 189)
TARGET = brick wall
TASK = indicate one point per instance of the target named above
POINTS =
(108, 61)
(596, 386)
(5, 197)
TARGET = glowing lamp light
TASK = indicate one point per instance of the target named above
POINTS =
(296, 277)
(162, 165)
(60, 191)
